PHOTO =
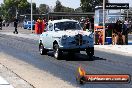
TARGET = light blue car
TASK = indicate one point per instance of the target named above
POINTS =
(66, 36)
(27, 24)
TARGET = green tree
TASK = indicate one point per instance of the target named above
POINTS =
(22, 6)
(89, 5)
(79, 10)
(1, 10)
(34, 8)
(28, 8)
(43, 8)
(58, 7)
(37, 10)
(67, 9)
(12, 6)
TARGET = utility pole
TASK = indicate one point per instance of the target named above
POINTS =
(104, 21)
(31, 17)
(16, 13)
(16, 1)
(127, 14)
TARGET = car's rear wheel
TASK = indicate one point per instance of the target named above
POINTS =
(57, 51)
(42, 50)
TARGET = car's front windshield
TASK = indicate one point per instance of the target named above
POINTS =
(68, 25)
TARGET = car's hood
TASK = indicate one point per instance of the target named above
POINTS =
(72, 32)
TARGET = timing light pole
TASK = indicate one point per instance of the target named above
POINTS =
(16, 13)
(104, 21)
(31, 16)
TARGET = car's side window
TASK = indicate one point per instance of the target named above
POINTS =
(50, 27)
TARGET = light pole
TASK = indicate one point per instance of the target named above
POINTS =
(17, 2)
(16, 13)
(104, 21)
(31, 16)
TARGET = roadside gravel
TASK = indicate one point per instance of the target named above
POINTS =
(23, 75)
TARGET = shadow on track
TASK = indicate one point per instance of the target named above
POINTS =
(77, 57)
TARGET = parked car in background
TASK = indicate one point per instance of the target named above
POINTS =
(66, 36)
(27, 24)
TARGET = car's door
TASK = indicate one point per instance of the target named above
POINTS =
(49, 36)
(43, 37)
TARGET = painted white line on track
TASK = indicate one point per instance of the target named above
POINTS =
(4, 83)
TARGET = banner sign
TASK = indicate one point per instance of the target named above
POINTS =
(117, 6)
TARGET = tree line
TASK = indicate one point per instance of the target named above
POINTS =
(9, 8)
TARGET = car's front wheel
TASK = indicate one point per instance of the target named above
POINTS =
(57, 51)
(42, 50)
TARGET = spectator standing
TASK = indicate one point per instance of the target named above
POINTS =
(130, 26)
(51, 19)
(97, 38)
(44, 24)
(100, 38)
(87, 24)
(1, 23)
(15, 25)
(124, 32)
(117, 30)
(92, 24)
(39, 25)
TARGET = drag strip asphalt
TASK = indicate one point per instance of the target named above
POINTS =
(26, 50)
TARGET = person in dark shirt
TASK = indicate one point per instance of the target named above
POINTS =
(118, 30)
(86, 24)
(1, 23)
(124, 32)
(15, 25)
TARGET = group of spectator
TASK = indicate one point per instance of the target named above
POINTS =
(87, 24)
(15, 24)
(40, 25)
(121, 30)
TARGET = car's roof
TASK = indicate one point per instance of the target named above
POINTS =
(62, 20)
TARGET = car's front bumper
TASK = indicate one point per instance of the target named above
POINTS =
(75, 48)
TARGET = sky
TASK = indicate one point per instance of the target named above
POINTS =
(71, 3)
